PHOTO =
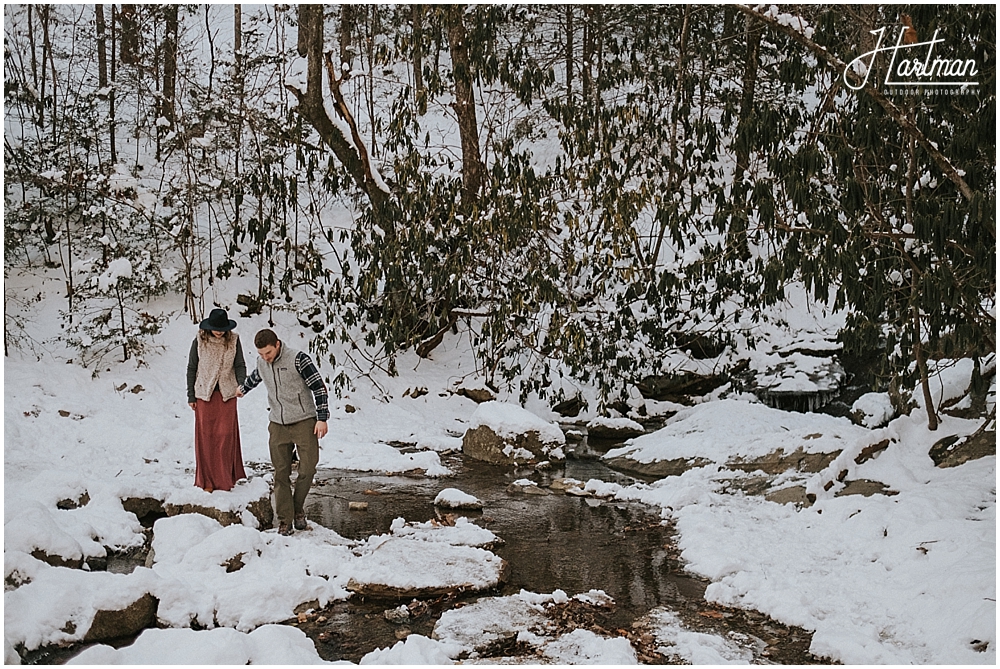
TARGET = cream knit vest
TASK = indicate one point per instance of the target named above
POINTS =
(215, 366)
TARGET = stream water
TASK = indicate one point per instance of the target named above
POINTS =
(551, 541)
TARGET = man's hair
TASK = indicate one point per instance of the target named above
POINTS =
(265, 338)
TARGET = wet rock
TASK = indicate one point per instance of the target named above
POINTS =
(565, 484)
(452, 498)
(777, 462)
(57, 560)
(865, 487)
(477, 395)
(261, 511)
(66, 504)
(618, 429)
(658, 469)
(870, 452)
(143, 506)
(126, 622)
(953, 451)
(571, 407)
(792, 495)
(525, 487)
(678, 387)
(484, 444)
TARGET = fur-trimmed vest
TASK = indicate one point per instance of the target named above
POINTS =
(215, 367)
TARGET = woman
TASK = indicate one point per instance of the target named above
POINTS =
(216, 369)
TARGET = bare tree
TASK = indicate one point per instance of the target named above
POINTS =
(465, 106)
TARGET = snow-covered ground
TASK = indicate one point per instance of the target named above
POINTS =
(906, 578)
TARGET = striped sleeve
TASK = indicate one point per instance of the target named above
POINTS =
(307, 370)
(251, 382)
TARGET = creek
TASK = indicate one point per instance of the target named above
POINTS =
(551, 541)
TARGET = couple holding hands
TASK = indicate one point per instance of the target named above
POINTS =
(297, 403)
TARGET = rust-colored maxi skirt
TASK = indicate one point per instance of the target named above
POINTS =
(218, 460)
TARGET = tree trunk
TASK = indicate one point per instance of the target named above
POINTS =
(111, 95)
(588, 52)
(347, 23)
(102, 46)
(419, 94)
(569, 54)
(738, 232)
(921, 358)
(240, 91)
(312, 109)
(128, 19)
(465, 107)
(169, 63)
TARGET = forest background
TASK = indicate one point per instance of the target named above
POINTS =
(582, 189)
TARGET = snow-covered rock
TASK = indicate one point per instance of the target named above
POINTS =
(503, 433)
(452, 498)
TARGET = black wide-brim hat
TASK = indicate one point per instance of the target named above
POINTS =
(219, 321)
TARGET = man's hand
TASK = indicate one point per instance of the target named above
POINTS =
(239, 392)
(320, 429)
(192, 405)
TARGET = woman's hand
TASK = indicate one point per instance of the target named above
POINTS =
(192, 405)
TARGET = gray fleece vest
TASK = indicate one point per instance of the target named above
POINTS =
(288, 397)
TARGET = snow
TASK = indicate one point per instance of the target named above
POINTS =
(902, 579)
(463, 533)
(510, 420)
(614, 423)
(453, 498)
(416, 649)
(477, 625)
(727, 428)
(875, 408)
(269, 644)
(118, 268)
(694, 647)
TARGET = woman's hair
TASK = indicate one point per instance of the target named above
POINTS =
(206, 335)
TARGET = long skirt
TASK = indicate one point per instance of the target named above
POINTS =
(218, 459)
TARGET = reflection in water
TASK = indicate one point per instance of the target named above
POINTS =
(552, 541)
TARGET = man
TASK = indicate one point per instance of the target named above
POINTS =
(297, 402)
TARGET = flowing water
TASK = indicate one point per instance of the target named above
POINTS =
(551, 541)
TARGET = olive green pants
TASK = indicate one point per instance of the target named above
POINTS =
(283, 438)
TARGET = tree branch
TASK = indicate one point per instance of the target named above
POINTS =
(908, 126)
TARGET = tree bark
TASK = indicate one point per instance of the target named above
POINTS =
(419, 94)
(102, 46)
(569, 54)
(169, 63)
(312, 109)
(129, 42)
(588, 53)
(465, 106)
(921, 358)
(111, 95)
(347, 23)
(738, 234)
